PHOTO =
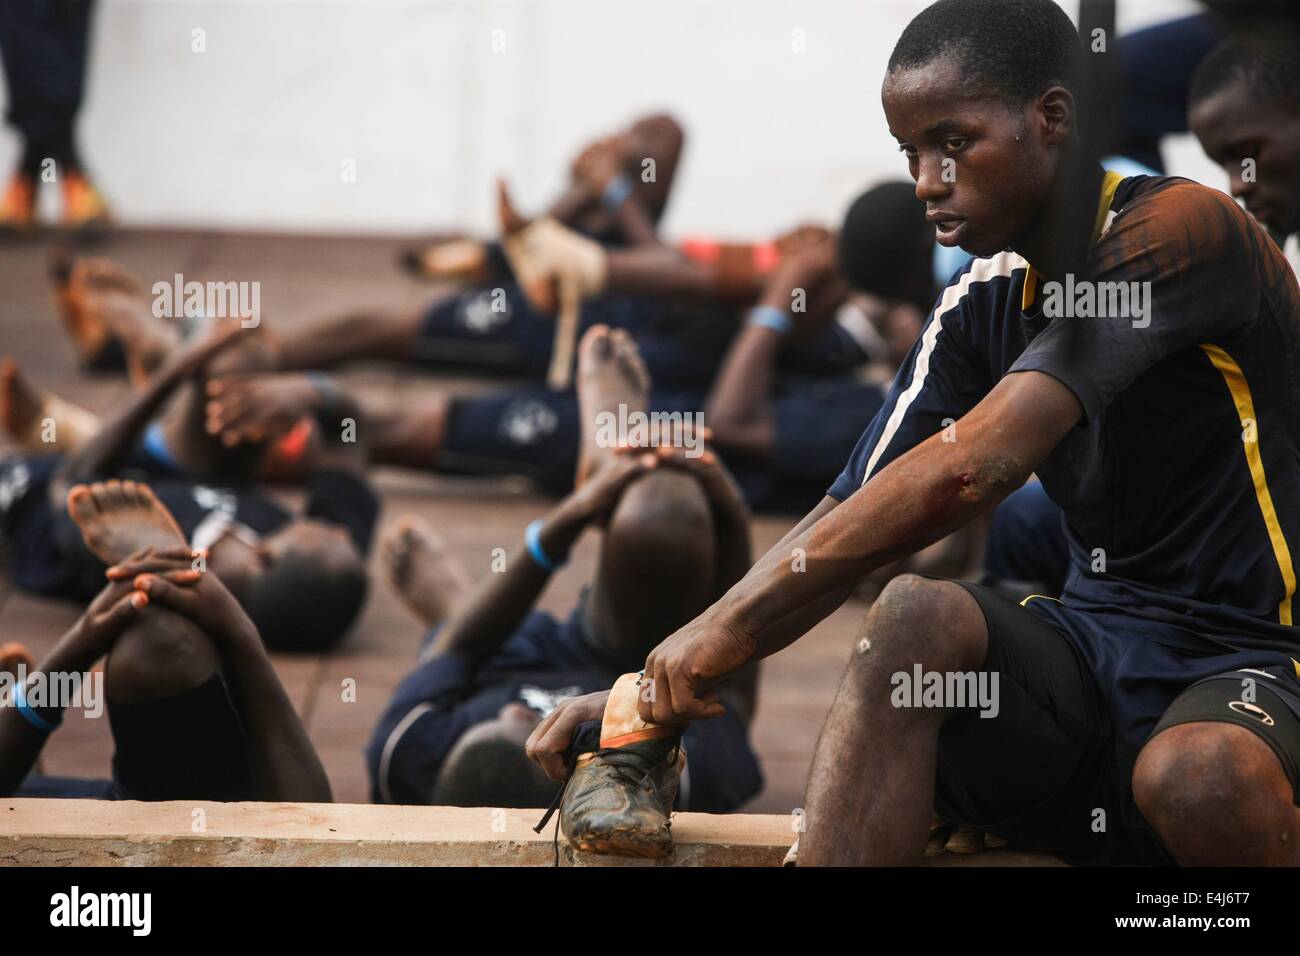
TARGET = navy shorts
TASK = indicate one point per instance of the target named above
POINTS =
(1081, 691)
(45, 550)
(1027, 542)
(46, 553)
(493, 328)
(535, 432)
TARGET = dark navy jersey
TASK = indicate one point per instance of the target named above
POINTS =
(1181, 483)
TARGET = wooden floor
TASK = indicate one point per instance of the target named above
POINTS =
(306, 278)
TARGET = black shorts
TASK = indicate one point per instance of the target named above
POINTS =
(188, 747)
(1051, 771)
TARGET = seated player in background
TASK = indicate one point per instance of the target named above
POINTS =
(301, 577)
(195, 707)
(1244, 107)
(674, 535)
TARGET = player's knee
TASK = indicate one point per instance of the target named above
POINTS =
(933, 622)
(1192, 779)
(663, 521)
(160, 656)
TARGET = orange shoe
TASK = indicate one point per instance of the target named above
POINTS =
(18, 204)
(82, 204)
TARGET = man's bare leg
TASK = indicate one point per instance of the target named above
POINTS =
(363, 334)
(1217, 796)
(37, 420)
(98, 298)
(409, 433)
(870, 796)
(430, 582)
(611, 374)
(662, 528)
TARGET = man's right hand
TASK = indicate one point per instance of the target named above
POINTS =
(550, 739)
(688, 664)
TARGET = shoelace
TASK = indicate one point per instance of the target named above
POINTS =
(622, 761)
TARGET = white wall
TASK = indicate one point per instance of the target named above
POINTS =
(253, 132)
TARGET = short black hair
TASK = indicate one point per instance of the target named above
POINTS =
(493, 772)
(1016, 49)
(886, 248)
(1269, 66)
(304, 605)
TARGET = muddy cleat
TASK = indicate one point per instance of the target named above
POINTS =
(620, 797)
(18, 204)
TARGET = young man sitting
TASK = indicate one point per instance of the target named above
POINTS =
(1152, 713)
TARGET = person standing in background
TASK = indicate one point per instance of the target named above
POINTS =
(43, 45)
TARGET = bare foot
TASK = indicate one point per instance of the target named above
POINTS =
(539, 284)
(611, 375)
(12, 655)
(100, 300)
(428, 579)
(20, 402)
(462, 260)
(118, 518)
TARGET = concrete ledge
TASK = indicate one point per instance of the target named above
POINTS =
(130, 833)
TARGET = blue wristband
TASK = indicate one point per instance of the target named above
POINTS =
(616, 193)
(29, 714)
(327, 390)
(772, 318)
(533, 538)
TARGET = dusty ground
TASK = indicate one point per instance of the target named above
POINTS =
(303, 278)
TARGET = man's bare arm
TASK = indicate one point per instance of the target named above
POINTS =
(923, 495)
(478, 629)
(123, 426)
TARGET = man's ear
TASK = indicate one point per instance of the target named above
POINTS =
(1055, 113)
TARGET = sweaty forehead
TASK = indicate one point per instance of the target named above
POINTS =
(921, 99)
(942, 75)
